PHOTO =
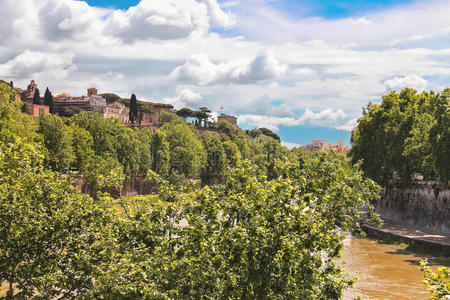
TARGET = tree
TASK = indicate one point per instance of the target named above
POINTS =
(251, 238)
(48, 100)
(440, 136)
(160, 152)
(202, 115)
(187, 155)
(185, 113)
(215, 156)
(438, 283)
(397, 136)
(168, 117)
(37, 97)
(232, 153)
(51, 236)
(57, 141)
(270, 133)
(133, 109)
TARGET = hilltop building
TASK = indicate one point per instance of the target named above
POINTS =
(318, 145)
(228, 118)
(27, 95)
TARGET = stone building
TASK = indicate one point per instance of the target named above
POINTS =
(318, 145)
(66, 105)
(229, 118)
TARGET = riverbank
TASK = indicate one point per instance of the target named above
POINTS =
(414, 236)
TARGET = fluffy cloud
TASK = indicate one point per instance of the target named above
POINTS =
(263, 106)
(184, 98)
(167, 19)
(290, 145)
(201, 70)
(67, 19)
(38, 65)
(413, 81)
(326, 118)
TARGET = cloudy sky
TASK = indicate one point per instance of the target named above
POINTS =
(302, 68)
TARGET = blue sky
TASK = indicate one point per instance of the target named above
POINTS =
(302, 68)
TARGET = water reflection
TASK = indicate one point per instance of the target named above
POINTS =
(385, 271)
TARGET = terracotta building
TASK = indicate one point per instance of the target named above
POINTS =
(27, 95)
(35, 109)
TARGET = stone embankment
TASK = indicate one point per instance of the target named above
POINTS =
(423, 203)
(412, 235)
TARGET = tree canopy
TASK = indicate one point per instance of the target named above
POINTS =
(407, 133)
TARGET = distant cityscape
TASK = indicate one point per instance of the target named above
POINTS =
(148, 115)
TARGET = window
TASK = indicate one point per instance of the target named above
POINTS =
(41, 110)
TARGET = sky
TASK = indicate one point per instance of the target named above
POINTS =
(304, 69)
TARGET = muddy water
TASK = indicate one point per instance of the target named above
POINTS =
(386, 271)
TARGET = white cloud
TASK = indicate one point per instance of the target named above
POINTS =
(32, 64)
(218, 18)
(349, 125)
(200, 69)
(167, 19)
(290, 145)
(67, 19)
(184, 98)
(325, 118)
(362, 21)
(321, 64)
(412, 81)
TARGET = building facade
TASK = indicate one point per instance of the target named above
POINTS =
(318, 145)
(228, 118)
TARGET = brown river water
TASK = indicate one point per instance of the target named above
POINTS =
(386, 271)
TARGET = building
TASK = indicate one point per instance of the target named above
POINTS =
(26, 96)
(36, 109)
(229, 118)
(117, 110)
(318, 145)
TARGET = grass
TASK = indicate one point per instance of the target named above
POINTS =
(133, 202)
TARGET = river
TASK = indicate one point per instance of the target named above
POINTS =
(386, 271)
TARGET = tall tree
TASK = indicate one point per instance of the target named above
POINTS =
(57, 141)
(48, 100)
(133, 109)
(185, 113)
(37, 97)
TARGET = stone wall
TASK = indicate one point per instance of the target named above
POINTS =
(131, 187)
(423, 203)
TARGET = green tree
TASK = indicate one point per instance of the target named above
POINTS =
(82, 144)
(168, 117)
(438, 284)
(37, 97)
(440, 136)
(51, 236)
(251, 238)
(133, 109)
(187, 155)
(161, 153)
(232, 153)
(48, 100)
(57, 141)
(215, 155)
(185, 113)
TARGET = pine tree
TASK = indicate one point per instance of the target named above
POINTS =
(48, 100)
(133, 109)
(37, 97)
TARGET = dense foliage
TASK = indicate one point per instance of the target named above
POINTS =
(271, 230)
(438, 284)
(406, 134)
